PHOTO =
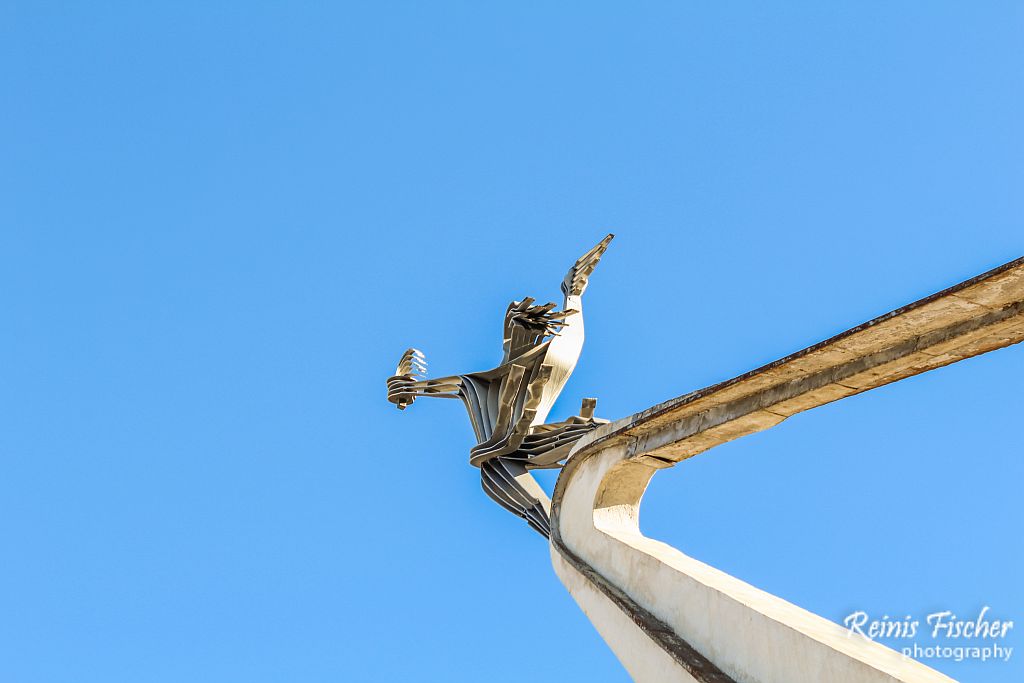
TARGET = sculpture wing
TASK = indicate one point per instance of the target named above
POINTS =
(409, 381)
(575, 282)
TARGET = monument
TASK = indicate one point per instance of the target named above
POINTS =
(669, 617)
(509, 404)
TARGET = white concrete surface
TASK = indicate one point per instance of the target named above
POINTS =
(669, 617)
(750, 635)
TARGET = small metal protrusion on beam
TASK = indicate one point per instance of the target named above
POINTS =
(587, 408)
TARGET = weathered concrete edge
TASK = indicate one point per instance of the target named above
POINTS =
(724, 418)
(618, 428)
(684, 654)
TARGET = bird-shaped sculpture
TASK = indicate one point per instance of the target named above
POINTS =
(508, 405)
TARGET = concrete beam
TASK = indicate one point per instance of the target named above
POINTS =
(678, 619)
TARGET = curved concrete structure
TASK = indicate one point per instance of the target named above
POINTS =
(669, 617)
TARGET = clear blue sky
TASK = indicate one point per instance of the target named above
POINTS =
(221, 223)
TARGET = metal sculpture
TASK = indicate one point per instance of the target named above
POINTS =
(508, 405)
(667, 616)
